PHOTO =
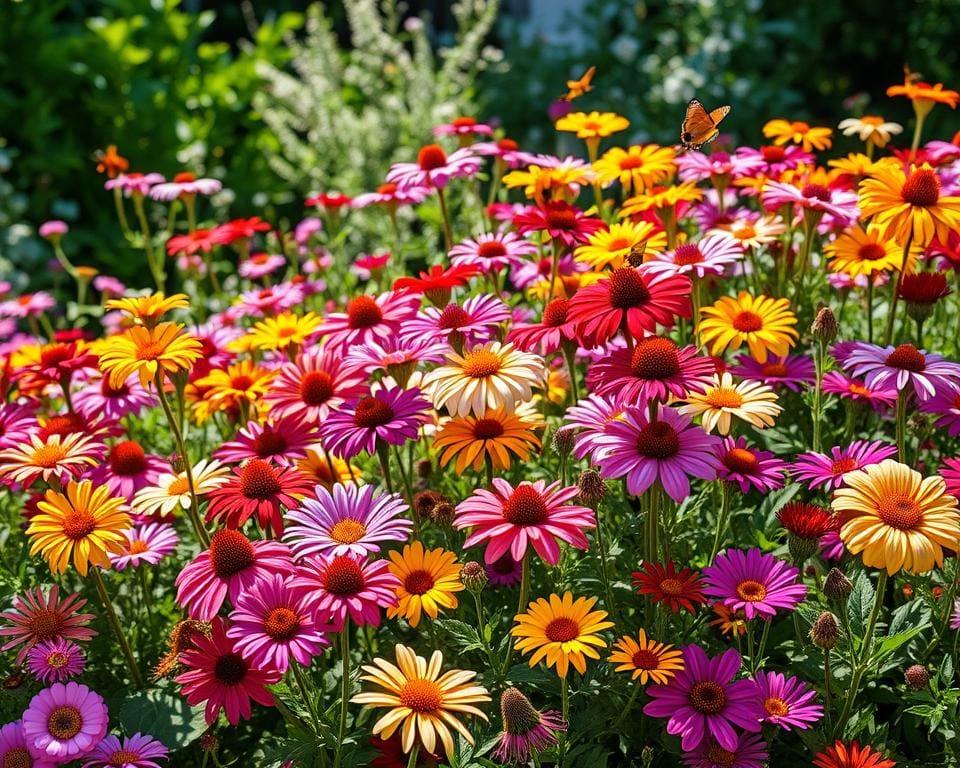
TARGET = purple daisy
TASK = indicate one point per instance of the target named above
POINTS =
(847, 388)
(955, 616)
(669, 448)
(54, 661)
(398, 356)
(473, 323)
(710, 256)
(504, 571)
(349, 519)
(946, 405)
(655, 369)
(750, 752)
(749, 467)
(98, 397)
(138, 751)
(17, 422)
(697, 166)
(127, 469)
(838, 205)
(148, 543)
(902, 366)
(704, 701)
(591, 416)
(787, 701)
(388, 415)
(492, 251)
(792, 371)
(284, 441)
(15, 750)
(821, 469)
(434, 168)
(65, 721)
(753, 582)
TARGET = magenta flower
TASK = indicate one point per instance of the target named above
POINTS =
(369, 318)
(950, 472)
(284, 442)
(839, 204)
(272, 623)
(28, 305)
(506, 151)
(704, 701)
(472, 324)
(184, 185)
(490, 252)
(532, 514)
(388, 414)
(753, 582)
(792, 371)
(698, 166)
(462, 126)
(65, 721)
(54, 661)
(310, 388)
(560, 220)
(749, 467)
(946, 405)
(231, 566)
(669, 448)
(53, 229)
(37, 617)
(955, 616)
(771, 161)
(855, 390)
(138, 751)
(99, 398)
(127, 469)
(391, 195)
(259, 302)
(655, 369)
(526, 731)
(260, 265)
(434, 168)
(148, 543)
(710, 256)
(17, 422)
(15, 749)
(750, 752)
(348, 520)
(347, 586)
(901, 367)
(547, 335)
(787, 701)
(504, 571)
(398, 356)
(820, 469)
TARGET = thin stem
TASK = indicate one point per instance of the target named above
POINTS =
(763, 642)
(917, 132)
(447, 231)
(147, 601)
(564, 712)
(121, 212)
(117, 629)
(818, 398)
(721, 520)
(627, 707)
(304, 693)
(383, 453)
(827, 687)
(569, 354)
(604, 573)
(870, 308)
(521, 605)
(344, 689)
(895, 294)
(412, 762)
(155, 269)
(902, 397)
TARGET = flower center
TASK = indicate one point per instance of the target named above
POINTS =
(487, 429)
(316, 387)
(872, 252)
(363, 312)
(630, 162)
(561, 218)
(687, 254)
(387, 189)
(230, 553)
(644, 659)
(241, 383)
(419, 582)
(922, 188)
(773, 154)
(258, 480)
(525, 506)
(747, 322)
(453, 317)
(150, 351)
(137, 547)
(230, 669)
(555, 313)
(109, 391)
(741, 460)
(562, 630)
(618, 244)
(745, 232)
(64, 723)
(774, 371)
(671, 587)
(508, 145)
(127, 458)
(185, 177)
(51, 357)
(49, 455)
(281, 623)
(421, 695)
(463, 122)
(627, 289)
(658, 440)
(707, 697)
(372, 412)
(900, 511)
(124, 757)
(431, 157)
(178, 487)
(817, 191)
(481, 363)
(655, 359)
(57, 659)
(269, 443)
(491, 249)
(347, 531)
(776, 707)
(62, 425)
(343, 576)
(843, 465)
(45, 624)
(18, 757)
(78, 524)
(908, 358)
(717, 755)
(751, 591)
(723, 398)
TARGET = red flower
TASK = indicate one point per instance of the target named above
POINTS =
(840, 755)
(437, 283)
(236, 229)
(549, 333)
(665, 585)
(257, 487)
(806, 521)
(561, 220)
(949, 252)
(923, 288)
(200, 240)
(329, 200)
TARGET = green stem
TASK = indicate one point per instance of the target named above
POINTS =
(917, 131)
(117, 629)
(447, 231)
(147, 601)
(818, 398)
(895, 293)
(870, 308)
(827, 688)
(604, 572)
(412, 762)
(564, 713)
(305, 694)
(521, 605)
(902, 397)
(344, 689)
(569, 354)
(721, 520)
(763, 643)
(383, 453)
(155, 268)
(121, 212)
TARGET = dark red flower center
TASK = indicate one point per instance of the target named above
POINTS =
(127, 458)
(562, 630)
(419, 582)
(281, 623)
(908, 358)
(108, 391)
(44, 624)
(872, 252)
(431, 157)
(644, 659)
(658, 440)
(491, 249)
(561, 217)
(452, 317)
(63, 425)
(673, 587)
(922, 188)
(842, 466)
(269, 443)
(526, 506)
(773, 154)
(53, 356)
(627, 289)
(230, 553)
(817, 191)
(655, 359)
(258, 480)
(707, 697)
(747, 322)
(343, 576)
(230, 669)
(687, 254)
(371, 412)
(363, 312)
(741, 461)
(316, 387)
(774, 371)
(555, 313)
(487, 429)
(717, 755)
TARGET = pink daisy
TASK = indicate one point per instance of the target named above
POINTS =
(273, 300)
(697, 166)
(369, 318)
(472, 324)
(547, 335)
(388, 415)
(260, 265)
(37, 617)
(185, 185)
(348, 586)
(857, 391)
(792, 371)
(390, 194)
(17, 422)
(283, 441)
(98, 397)
(532, 514)
(787, 701)
(710, 256)
(148, 543)
(15, 749)
(370, 264)
(772, 161)
(231, 566)
(828, 470)
(398, 356)
(946, 405)
(257, 488)
(28, 305)
(754, 583)
(491, 252)
(65, 721)
(138, 751)
(127, 469)
(506, 151)
(462, 126)
(899, 367)
(54, 661)
(434, 168)
(591, 417)
(749, 467)
(841, 205)
(558, 219)
(950, 472)
(134, 183)
(316, 383)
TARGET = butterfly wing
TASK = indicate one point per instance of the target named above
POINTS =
(699, 126)
(719, 113)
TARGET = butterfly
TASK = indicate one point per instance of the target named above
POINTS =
(699, 126)
(579, 87)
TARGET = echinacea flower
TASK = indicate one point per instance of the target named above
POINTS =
(829, 470)
(704, 701)
(667, 586)
(134, 184)
(504, 571)
(547, 335)
(723, 400)
(710, 256)
(28, 305)
(494, 438)
(756, 583)
(787, 701)
(346, 519)
(526, 730)
(491, 252)
(422, 703)
(561, 631)
(902, 367)
(199, 241)
(39, 618)
(57, 458)
(231, 565)
(219, 675)
(437, 283)
(260, 265)
(909, 208)
(391, 196)
(790, 371)
(664, 447)
(812, 201)
(64, 722)
(646, 659)
(474, 322)
(172, 490)
(750, 752)
(166, 348)
(368, 318)
(388, 415)
(559, 220)
(946, 406)
(138, 751)
(349, 586)
(55, 661)
(17, 422)
(148, 543)
(127, 469)
(766, 325)
(797, 132)
(896, 518)
(285, 441)
(531, 514)
(434, 168)
(184, 185)
(852, 755)
(749, 467)
(257, 488)
(316, 383)
(836, 383)
(428, 581)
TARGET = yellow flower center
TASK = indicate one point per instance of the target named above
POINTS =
(347, 531)
(872, 120)
(78, 524)
(724, 398)
(48, 455)
(64, 723)
(745, 232)
(421, 696)
(57, 660)
(618, 244)
(776, 707)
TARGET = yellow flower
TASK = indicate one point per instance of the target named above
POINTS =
(473, 440)
(84, 524)
(595, 125)
(149, 309)
(766, 325)
(896, 518)
(166, 348)
(558, 384)
(172, 490)
(327, 470)
(751, 401)
(561, 631)
(636, 167)
(422, 702)
(729, 622)
(493, 375)
(242, 383)
(278, 332)
(562, 181)
(909, 208)
(428, 581)
(865, 252)
(610, 247)
(870, 129)
(658, 198)
(797, 132)
(646, 659)
(855, 164)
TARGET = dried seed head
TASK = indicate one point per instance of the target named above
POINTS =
(825, 632)
(592, 489)
(563, 440)
(837, 586)
(916, 676)
(474, 576)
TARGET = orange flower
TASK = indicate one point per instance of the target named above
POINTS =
(798, 132)
(924, 95)
(111, 163)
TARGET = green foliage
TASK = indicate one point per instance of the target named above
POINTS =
(165, 715)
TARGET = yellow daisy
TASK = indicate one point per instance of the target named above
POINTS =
(636, 167)
(855, 164)
(472, 440)
(149, 309)
(278, 332)
(327, 470)
(610, 247)
(592, 125)
(751, 401)
(861, 251)
(562, 181)
(798, 132)
(659, 198)
(242, 384)
(166, 347)
(428, 581)
(646, 659)
(766, 325)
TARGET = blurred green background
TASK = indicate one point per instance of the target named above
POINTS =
(244, 92)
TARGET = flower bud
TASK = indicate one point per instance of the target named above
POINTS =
(425, 501)
(563, 440)
(443, 514)
(837, 586)
(824, 633)
(825, 327)
(474, 576)
(209, 742)
(916, 676)
(592, 489)
(424, 468)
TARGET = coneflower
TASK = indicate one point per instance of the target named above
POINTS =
(525, 729)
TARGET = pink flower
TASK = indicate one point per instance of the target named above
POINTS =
(260, 265)
(505, 151)
(148, 543)
(15, 749)
(53, 229)
(841, 205)
(547, 335)
(134, 183)
(697, 166)
(317, 383)
(787, 701)
(55, 661)
(749, 467)
(137, 751)
(772, 161)
(185, 185)
(434, 168)
(472, 324)
(348, 586)
(387, 415)
(368, 318)
(370, 264)
(560, 220)
(37, 617)
(65, 721)
(391, 195)
(462, 126)
(753, 582)
(284, 441)
(710, 256)
(272, 300)
(491, 252)
(127, 469)
(828, 470)
(27, 305)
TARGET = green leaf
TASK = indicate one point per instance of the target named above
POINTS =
(860, 604)
(167, 717)
(465, 637)
(887, 645)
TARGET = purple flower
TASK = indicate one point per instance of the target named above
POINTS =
(955, 616)
(15, 749)
(138, 751)
(753, 582)
(836, 383)
(839, 205)
(592, 416)
(669, 449)
(473, 323)
(792, 371)
(525, 730)
(504, 571)
(54, 661)
(704, 701)
(900, 367)
(749, 467)
(750, 752)
(946, 405)
(65, 721)
(284, 441)
(710, 256)
(434, 168)
(820, 469)
(787, 701)
(148, 543)
(389, 414)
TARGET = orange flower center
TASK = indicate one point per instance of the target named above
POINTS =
(644, 659)
(481, 363)
(751, 591)
(137, 547)
(343, 576)
(773, 154)
(363, 312)
(64, 723)
(453, 317)
(44, 624)
(741, 460)
(908, 358)
(258, 480)
(746, 321)
(921, 189)
(871, 252)
(687, 254)
(124, 757)
(723, 398)
(57, 660)
(463, 122)
(431, 157)
(508, 145)
(316, 387)
(150, 351)
(281, 623)
(269, 443)
(419, 582)
(387, 189)
(717, 755)
(627, 289)
(487, 429)
(230, 669)
(241, 383)
(776, 707)
(671, 587)
(421, 696)
(230, 553)
(526, 506)
(746, 232)
(347, 531)
(178, 487)
(618, 244)
(181, 178)
(707, 697)
(372, 412)
(18, 757)
(900, 511)
(78, 524)
(655, 359)
(630, 162)
(562, 630)
(658, 440)
(127, 458)
(49, 455)
(842, 466)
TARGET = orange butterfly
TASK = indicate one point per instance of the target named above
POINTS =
(699, 126)
(579, 87)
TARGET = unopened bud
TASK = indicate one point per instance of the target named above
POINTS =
(824, 633)
(916, 676)
(424, 468)
(209, 742)
(801, 549)
(825, 327)
(591, 487)
(474, 576)
(837, 586)
(444, 514)
(563, 440)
